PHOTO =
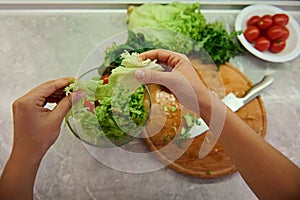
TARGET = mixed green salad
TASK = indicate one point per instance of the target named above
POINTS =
(110, 110)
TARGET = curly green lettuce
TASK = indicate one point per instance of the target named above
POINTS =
(178, 17)
(185, 19)
(118, 111)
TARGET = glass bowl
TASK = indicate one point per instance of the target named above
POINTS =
(117, 118)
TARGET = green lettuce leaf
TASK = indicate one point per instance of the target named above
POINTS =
(178, 17)
(119, 111)
(188, 20)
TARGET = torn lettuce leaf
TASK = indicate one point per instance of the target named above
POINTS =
(118, 111)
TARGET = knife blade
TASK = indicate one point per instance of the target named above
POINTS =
(234, 103)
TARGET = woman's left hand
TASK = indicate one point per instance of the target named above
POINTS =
(36, 128)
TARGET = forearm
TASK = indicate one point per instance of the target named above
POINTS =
(267, 172)
(36, 128)
(18, 177)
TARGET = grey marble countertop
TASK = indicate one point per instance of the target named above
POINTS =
(39, 45)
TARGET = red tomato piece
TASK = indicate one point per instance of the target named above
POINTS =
(265, 22)
(251, 33)
(280, 19)
(275, 32)
(105, 79)
(262, 44)
(277, 46)
(253, 20)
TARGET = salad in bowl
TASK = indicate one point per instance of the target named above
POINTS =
(116, 106)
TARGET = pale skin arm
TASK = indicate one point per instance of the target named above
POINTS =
(268, 172)
(35, 129)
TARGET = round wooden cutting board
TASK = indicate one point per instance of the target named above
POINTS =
(217, 163)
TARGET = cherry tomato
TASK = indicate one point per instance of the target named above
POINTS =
(105, 79)
(275, 32)
(285, 33)
(265, 22)
(280, 19)
(251, 33)
(262, 44)
(253, 20)
(277, 46)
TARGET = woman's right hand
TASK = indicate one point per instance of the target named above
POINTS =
(182, 80)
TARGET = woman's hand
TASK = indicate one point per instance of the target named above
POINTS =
(35, 127)
(182, 79)
(278, 178)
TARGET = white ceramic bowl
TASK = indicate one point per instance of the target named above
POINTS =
(292, 49)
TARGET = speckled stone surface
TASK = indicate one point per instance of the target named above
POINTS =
(42, 45)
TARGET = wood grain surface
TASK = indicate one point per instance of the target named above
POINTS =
(185, 159)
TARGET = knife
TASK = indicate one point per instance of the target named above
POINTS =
(234, 103)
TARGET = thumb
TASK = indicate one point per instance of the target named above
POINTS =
(157, 77)
(66, 103)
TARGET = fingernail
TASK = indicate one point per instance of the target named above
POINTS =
(140, 74)
(79, 95)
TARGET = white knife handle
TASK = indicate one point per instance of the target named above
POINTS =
(256, 89)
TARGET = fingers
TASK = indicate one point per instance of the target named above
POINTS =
(46, 89)
(50, 87)
(66, 103)
(56, 96)
(165, 57)
(40, 93)
(175, 82)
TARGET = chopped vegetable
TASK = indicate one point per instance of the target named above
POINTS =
(173, 108)
(169, 108)
(69, 89)
(184, 134)
(105, 79)
(208, 172)
(112, 113)
(191, 120)
(165, 108)
(166, 137)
